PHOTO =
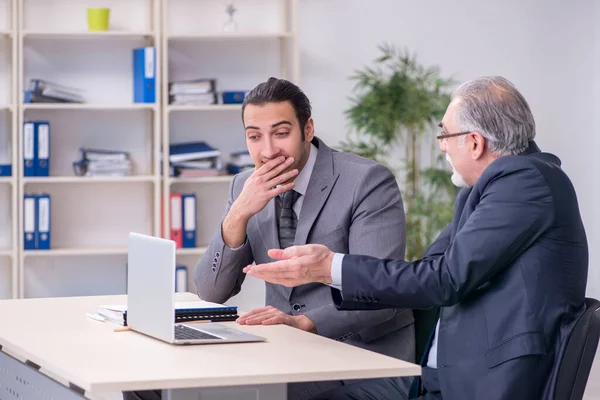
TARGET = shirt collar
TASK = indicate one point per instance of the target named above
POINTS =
(301, 181)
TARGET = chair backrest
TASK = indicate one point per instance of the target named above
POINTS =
(579, 355)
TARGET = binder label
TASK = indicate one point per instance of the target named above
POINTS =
(176, 213)
(189, 206)
(44, 210)
(149, 62)
(29, 216)
(43, 148)
(28, 131)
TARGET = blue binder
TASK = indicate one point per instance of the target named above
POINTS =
(29, 148)
(144, 75)
(189, 219)
(5, 169)
(42, 130)
(29, 221)
(43, 221)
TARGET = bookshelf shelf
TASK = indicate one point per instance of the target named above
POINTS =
(87, 35)
(89, 179)
(76, 252)
(202, 179)
(197, 251)
(6, 253)
(6, 179)
(221, 36)
(6, 34)
(214, 107)
(89, 106)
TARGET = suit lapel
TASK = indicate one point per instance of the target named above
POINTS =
(322, 180)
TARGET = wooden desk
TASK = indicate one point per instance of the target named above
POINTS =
(87, 355)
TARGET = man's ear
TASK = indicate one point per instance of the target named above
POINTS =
(309, 130)
(477, 145)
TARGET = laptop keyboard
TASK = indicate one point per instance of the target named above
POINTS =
(183, 332)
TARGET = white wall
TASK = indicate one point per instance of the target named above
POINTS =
(546, 47)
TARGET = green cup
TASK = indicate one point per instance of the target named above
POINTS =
(97, 19)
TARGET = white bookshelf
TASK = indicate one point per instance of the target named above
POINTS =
(8, 149)
(61, 252)
(74, 35)
(90, 216)
(214, 107)
(196, 46)
(88, 106)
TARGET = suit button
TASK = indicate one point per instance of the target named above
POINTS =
(217, 254)
(296, 307)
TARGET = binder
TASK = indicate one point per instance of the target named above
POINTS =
(29, 221)
(144, 75)
(181, 279)
(176, 232)
(189, 220)
(5, 169)
(29, 148)
(43, 221)
(42, 129)
(184, 312)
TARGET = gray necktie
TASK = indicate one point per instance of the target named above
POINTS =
(287, 218)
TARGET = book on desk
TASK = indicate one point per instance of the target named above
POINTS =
(187, 311)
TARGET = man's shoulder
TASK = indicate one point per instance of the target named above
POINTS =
(238, 180)
(543, 165)
(349, 163)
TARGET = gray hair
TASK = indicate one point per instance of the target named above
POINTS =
(492, 106)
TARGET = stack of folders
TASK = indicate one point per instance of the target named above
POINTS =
(43, 91)
(36, 221)
(183, 219)
(197, 92)
(100, 162)
(184, 312)
(36, 148)
(239, 161)
(144, 75)
(194, 159)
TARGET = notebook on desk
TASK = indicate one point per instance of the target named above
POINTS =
(151, 297)
(184, 312)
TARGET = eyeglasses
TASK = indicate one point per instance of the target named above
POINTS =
(443, 135)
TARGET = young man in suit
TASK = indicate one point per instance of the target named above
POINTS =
(509, 272)
(301, 191)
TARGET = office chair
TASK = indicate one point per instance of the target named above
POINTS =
(577, 360)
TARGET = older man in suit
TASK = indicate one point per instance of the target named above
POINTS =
(301, 191)
(509, 272)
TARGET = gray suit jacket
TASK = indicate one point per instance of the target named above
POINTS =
(509, 274)
(352, 205)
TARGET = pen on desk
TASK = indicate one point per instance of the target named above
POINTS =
(122, 329)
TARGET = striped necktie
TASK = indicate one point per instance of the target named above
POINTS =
(287, 219)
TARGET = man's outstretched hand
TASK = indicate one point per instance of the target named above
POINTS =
(296, 265)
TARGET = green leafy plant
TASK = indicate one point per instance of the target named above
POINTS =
(397, 106)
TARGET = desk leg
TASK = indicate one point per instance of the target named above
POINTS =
(254, 392)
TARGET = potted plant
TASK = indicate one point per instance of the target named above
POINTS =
(393, 119)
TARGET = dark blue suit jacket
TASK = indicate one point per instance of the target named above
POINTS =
(509, 274)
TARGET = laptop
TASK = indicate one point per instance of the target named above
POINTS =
(151, 297)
